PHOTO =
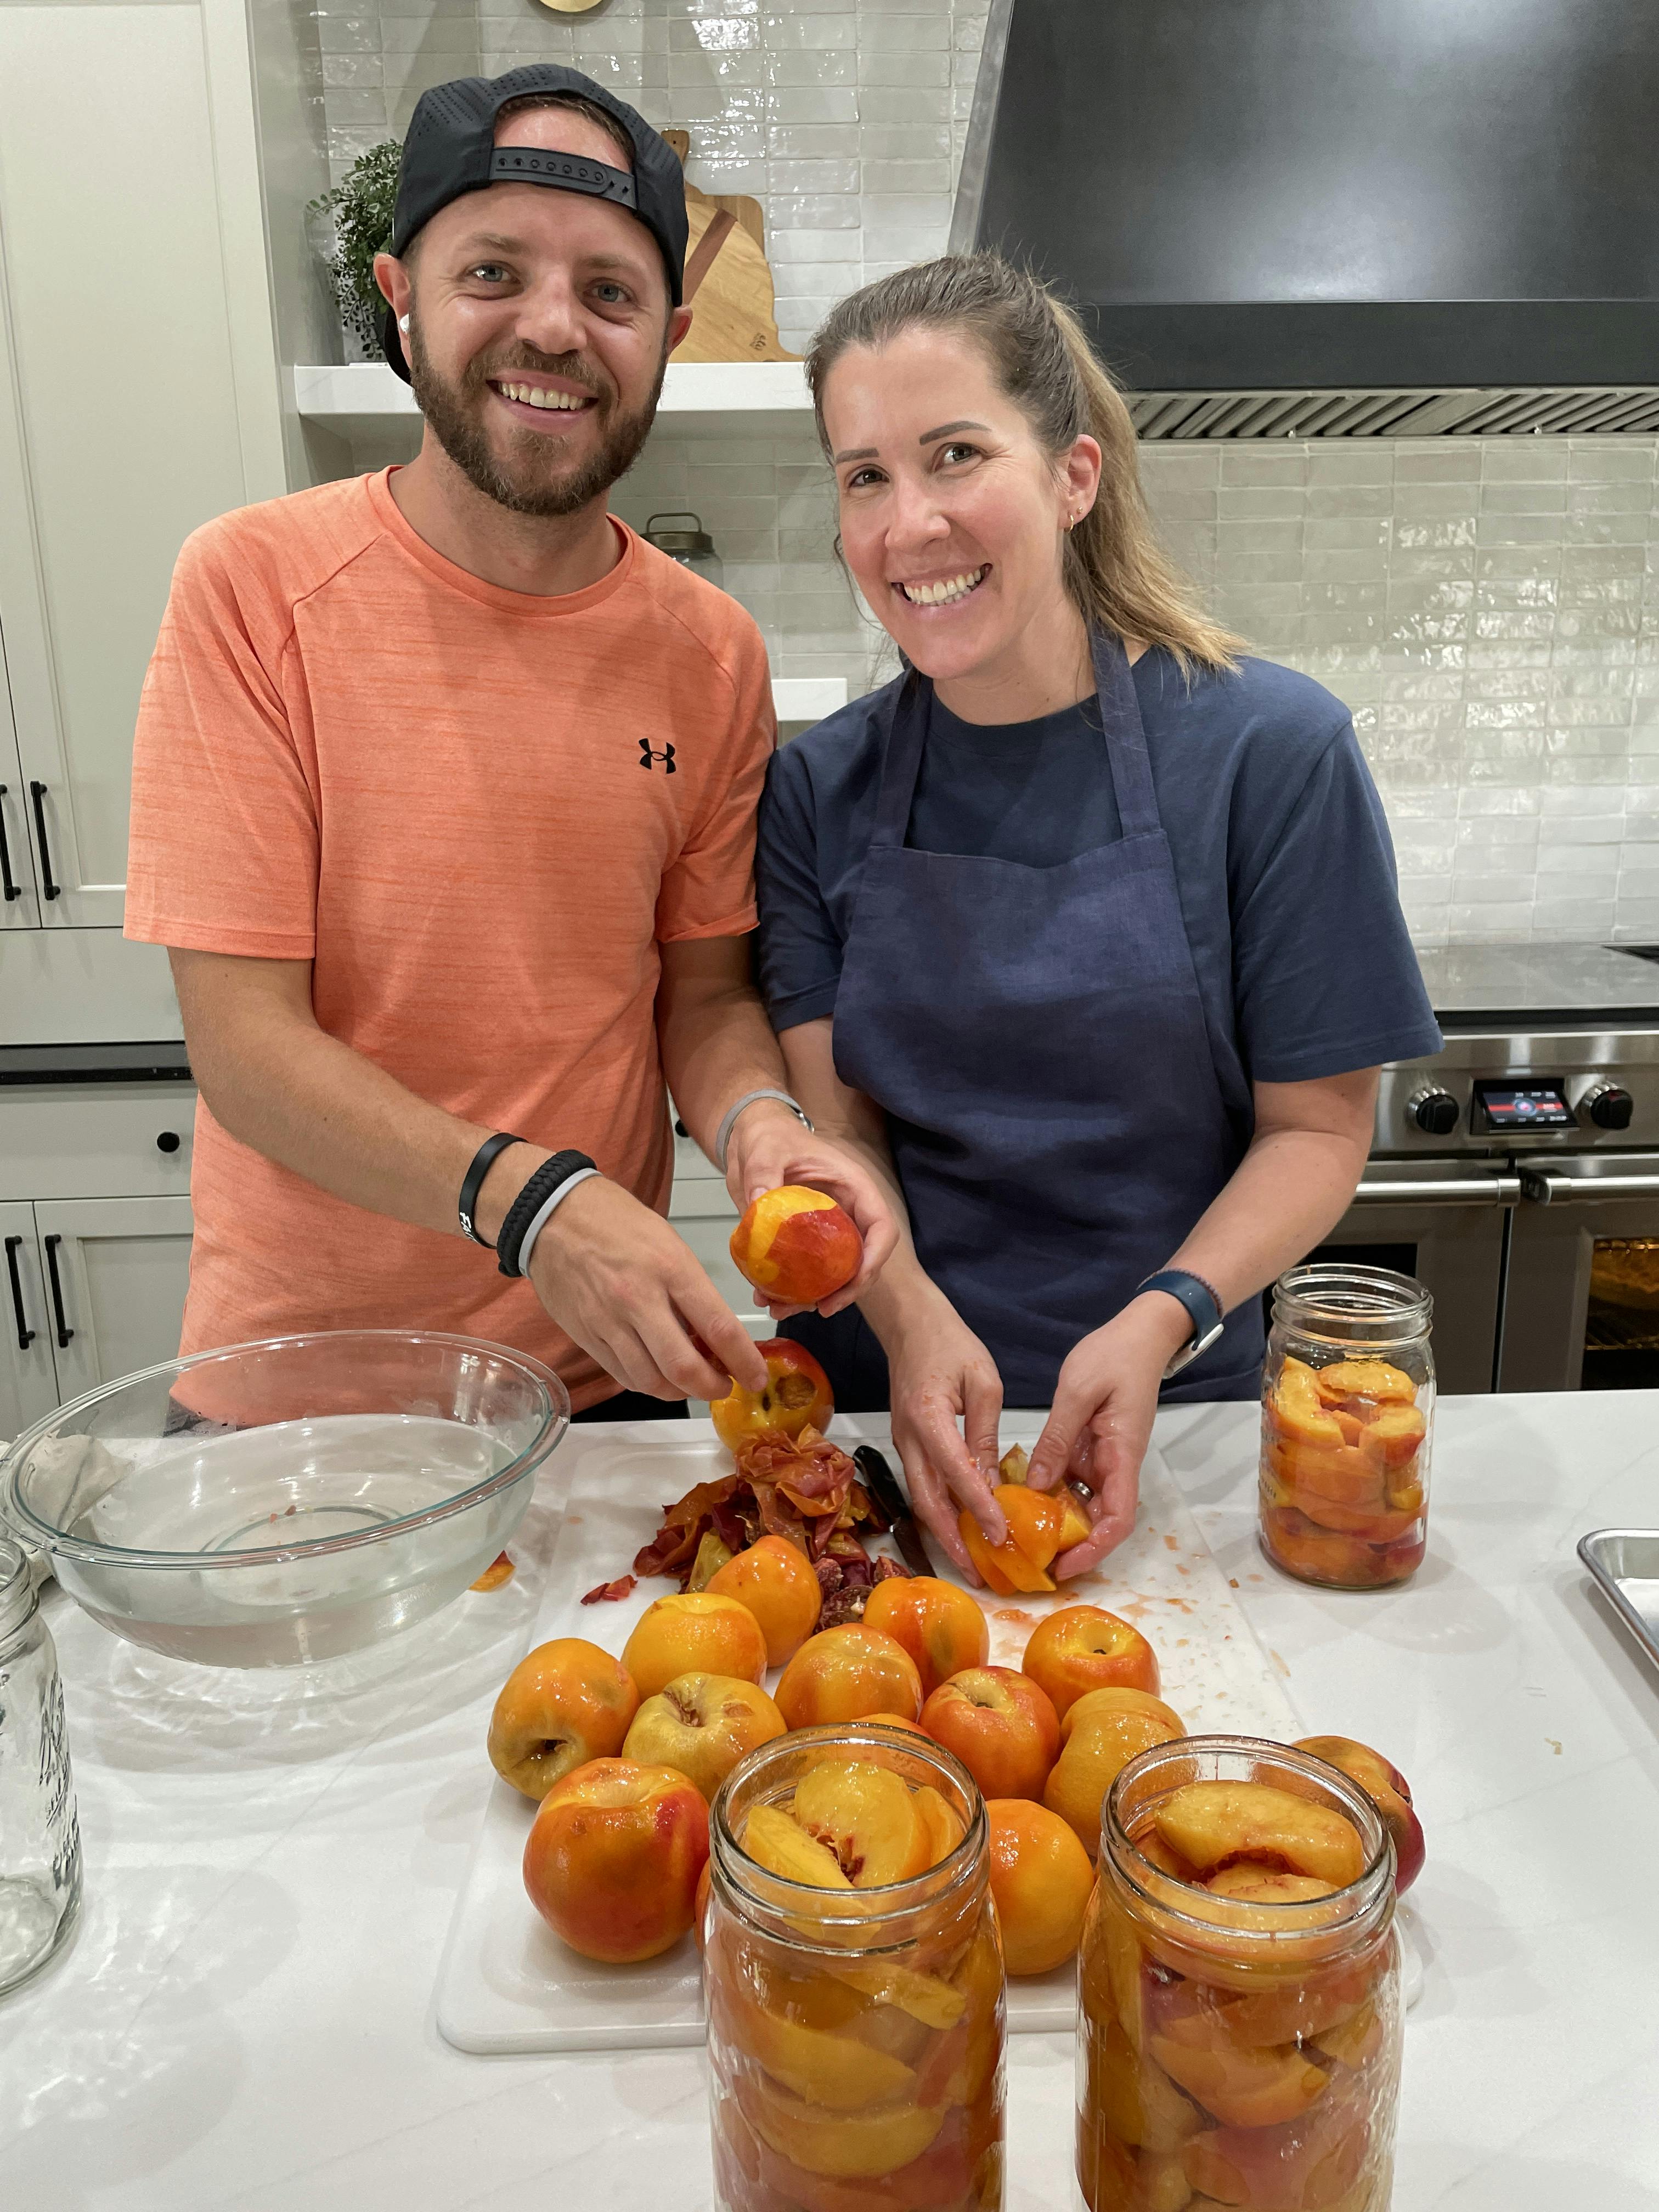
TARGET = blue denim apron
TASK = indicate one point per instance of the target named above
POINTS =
(1037, 1039)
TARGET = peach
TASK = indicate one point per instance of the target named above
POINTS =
(850, 2146)
(1298, 1410)
(1243, 2088)
(1344, 1476)
(700, 1903)
(1318, 2000)
(1250, 1882)
(848, 1674)
(1373, 1524)
(613, 1856)
(1317, 1554)
(941, 1626)
(1000, 1725)
(836, 2071)
(796, 1246)
(797, 1396)
(1039, 1526)
(779, 1585)
(777, 1841)
(1041, 1880)
(1213, 1823)
(1375, 1380)
(1392, 1438)
(703, 1724)
(1082, 1648)
(694, 1632)
(1311, 2160)
(566, 1702)
(1388, 1790)
(501, 1570)
(1139, 2102)
(1101, 1733)
(867, 1818)
(944, 1823)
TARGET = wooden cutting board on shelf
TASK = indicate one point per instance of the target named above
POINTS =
(728, 280)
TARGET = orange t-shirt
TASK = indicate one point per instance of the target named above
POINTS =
(477, 813)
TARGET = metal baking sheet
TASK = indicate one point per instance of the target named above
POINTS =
(1625, 1563)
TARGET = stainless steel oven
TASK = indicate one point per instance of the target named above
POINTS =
(1582, 1309)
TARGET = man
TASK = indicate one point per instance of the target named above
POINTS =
(443, 802)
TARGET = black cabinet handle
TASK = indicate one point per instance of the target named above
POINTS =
(65, 1332)
(12, 888)
(48, 889)
(24, 1333)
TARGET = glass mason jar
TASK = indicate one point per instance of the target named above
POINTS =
(1231, 2052)
(856, 2036)
(39, 1837)
(692, 548)
(1347, 1421)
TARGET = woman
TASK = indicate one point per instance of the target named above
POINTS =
(1084, 930)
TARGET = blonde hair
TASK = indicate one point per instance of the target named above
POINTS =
(1114, 566)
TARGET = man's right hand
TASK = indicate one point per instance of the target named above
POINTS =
(632, 1295)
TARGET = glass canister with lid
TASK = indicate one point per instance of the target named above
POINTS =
(1347, 1423)
(40, 1836)
(855, 2033)
(1239, 2021)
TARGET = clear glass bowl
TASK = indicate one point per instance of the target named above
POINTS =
(284, 1502)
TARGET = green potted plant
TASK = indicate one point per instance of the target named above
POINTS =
(350, 225)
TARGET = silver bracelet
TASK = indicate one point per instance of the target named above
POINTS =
(749, 1099)
(539, 1218)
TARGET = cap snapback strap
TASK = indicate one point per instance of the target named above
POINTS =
(572, 172)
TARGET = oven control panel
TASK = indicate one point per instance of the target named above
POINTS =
(1493, 1093)
(1520, 1108)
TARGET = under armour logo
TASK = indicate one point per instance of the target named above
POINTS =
(667, 756)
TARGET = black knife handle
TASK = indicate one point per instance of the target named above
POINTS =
(24, 1333)
(9, 883)
(882, 1485)
(65, 1332)
(48, 888)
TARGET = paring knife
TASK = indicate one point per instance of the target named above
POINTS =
(882, 1485)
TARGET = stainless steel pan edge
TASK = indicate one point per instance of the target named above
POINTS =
(1603, 1552)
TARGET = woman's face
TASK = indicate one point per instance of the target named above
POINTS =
(952, 518)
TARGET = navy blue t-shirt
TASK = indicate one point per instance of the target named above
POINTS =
(1281, 851)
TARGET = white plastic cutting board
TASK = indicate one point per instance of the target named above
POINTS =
(508, 1983)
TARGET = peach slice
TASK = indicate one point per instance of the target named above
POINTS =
(1375, 1525)
(943, 1823)
(1161, 2180)
(1312, 2161)
(833, 2071)
(1299, 1409)
(867, 1818)
(1344, 1476)
(1193, 2013)
(1243, 2088)
(1375, 1379)
(852, 2146)
(1392, 1439)
(782, 1847)
(1213, 1823)
(1355, 2041)
(925, 1997)
(1252, 1883)
(1140, 2103)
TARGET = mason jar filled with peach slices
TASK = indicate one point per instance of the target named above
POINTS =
(1347, 1420)
(854, 1977)
(1239, 2015)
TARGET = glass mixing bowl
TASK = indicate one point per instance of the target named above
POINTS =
(288, 1501)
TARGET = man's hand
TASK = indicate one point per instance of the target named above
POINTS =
(769, 1147)
(618, 1281)
(940, 1373)
(1102, 1418)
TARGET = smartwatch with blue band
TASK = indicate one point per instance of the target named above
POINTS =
(1203, 1306)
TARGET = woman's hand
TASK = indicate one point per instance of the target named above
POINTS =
(770, 1146)
(940, 1373)
(1102, 1418)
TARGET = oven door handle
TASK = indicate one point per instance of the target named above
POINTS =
(1460, 1190)
(1546, 1189)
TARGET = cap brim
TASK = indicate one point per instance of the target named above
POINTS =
(391, 343)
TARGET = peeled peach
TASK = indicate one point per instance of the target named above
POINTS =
(566, 1702)
(1320, 1555)
(1252, 1883)
(838, 2072)
(1213, 1823)
(1387, 1787)
(797, 1396)
(866, 1817)
(703, 1724)
(1311, 2160)
(1243, 2088)
(1000, 1725)
(939, 1624)
(1344, 1476)
(694, 1632)
(849, 2145)
(1392, 1438)
(1376, 1380)
(777, 1841)
(1139, 2102)
(796, 1246)
(1041, 1526)
(1299, 1410)
(613, 1856)
(1082, 1648)
(848, 1674)
(944, 1823)
(1041, 1880)
(1101, 1733)
(779, 1585)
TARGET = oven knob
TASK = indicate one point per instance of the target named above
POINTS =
(1436, 1113)
(1610, 1107)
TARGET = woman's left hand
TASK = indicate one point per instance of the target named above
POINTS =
(1099, 1426)
(769, 1147)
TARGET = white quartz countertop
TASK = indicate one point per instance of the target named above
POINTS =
(245, 2019)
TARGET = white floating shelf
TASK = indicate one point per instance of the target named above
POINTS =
(699, 396)
(807, 698)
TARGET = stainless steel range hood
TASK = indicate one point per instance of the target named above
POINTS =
(1337, 218)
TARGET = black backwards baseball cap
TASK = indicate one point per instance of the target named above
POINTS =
(451, 149)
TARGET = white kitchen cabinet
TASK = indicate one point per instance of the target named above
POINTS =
(28, 1381)
(117, 1270)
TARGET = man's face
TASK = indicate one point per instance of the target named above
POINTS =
(539, 328)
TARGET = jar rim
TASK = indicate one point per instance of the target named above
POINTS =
(776, 1897)
(17, 1594)
(1349, 1292)
(1371, 1895)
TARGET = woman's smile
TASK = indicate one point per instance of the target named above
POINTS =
(935, 593)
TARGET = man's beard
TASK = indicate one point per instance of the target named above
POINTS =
(455, 413)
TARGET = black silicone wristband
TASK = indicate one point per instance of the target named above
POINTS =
(544, 1182)
(472, 1182)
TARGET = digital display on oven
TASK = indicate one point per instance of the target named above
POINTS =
(1525, 1106)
